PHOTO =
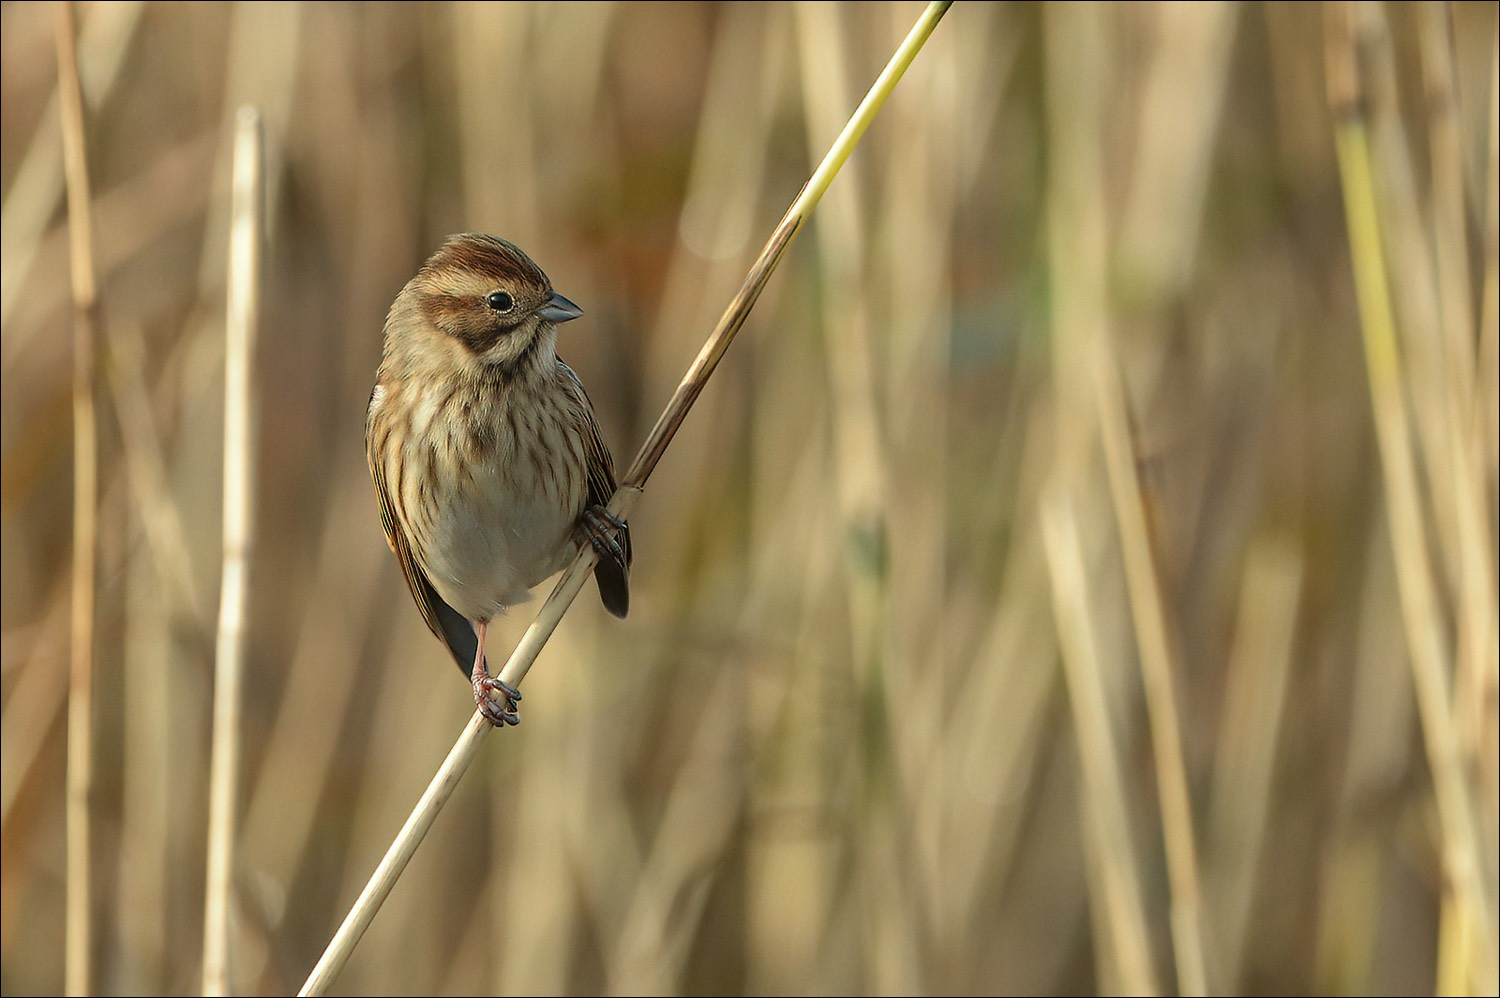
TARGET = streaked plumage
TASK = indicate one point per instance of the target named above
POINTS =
(487, 461)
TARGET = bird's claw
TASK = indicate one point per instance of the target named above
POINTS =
(598, 526)
(498, 710)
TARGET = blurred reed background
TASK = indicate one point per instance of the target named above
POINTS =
(1017, 611)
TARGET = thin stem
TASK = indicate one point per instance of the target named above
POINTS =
(1429, 653)
(1088, 381)
(79, 946)
(1148, 611)
(1113, 877)
(239, 426)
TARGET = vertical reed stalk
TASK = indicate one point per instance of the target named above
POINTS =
(79, 947)
(1463, 387)
(1488, 741)
(1489, 309)
(239, 483)
(1114, 884)
(1088, 380)
(1422, 614)
(1157, 674)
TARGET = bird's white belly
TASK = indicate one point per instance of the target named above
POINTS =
(486, 553)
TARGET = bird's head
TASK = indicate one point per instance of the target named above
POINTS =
(491, 299)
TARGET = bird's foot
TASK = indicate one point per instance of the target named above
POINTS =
(598, 526)
(496, 699)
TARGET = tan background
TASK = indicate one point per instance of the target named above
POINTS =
(834, 748)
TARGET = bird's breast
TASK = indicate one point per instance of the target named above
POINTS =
(505, 483)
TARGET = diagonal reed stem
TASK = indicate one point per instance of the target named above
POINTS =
(80, 779)
(462, 754)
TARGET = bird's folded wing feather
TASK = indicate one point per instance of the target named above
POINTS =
(447, 623)
(613, 576)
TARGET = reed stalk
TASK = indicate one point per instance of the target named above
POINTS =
(239, 520)
(1467, 928)
(80, 780)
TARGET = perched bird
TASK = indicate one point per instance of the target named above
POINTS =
(487, 460)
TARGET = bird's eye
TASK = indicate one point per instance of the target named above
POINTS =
(500, 301)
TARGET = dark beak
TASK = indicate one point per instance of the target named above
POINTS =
(559, 309)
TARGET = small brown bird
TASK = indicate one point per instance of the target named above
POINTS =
(487, 460)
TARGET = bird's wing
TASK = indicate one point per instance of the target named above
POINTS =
(447, 623)
(612, 575)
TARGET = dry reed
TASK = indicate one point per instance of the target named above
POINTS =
(80, 916)
(879, 720)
